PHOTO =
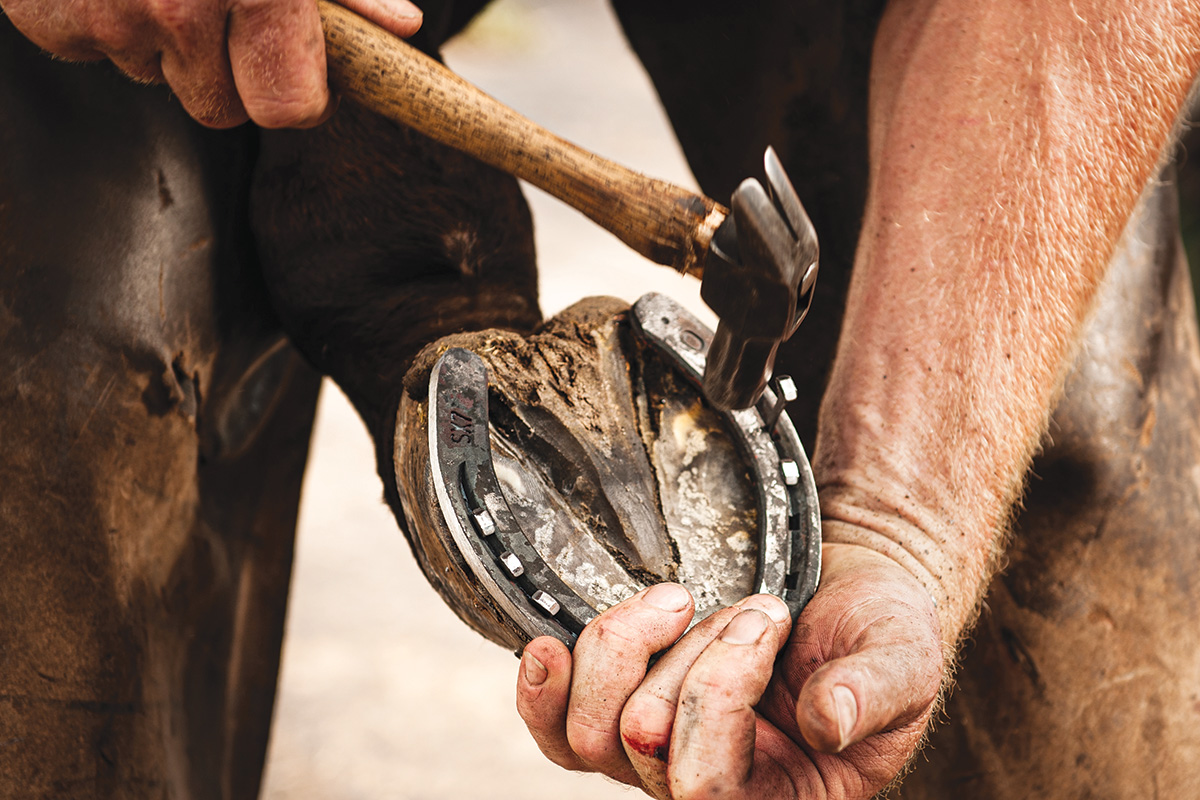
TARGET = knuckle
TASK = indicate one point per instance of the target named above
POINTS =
(139, 71)
(558, 757)
(219, 121)
(277, 57)
(650, 746)
(175, 18)
(592, 743)
(283, 112)
(215, 110)
(112, 33)
(647, 719)
(96, 28)
(278, 21)
(254, 8)
(644, 707)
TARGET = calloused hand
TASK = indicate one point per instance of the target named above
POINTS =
(226, 60)
(838, 715)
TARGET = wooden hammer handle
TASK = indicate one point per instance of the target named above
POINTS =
(666, 223)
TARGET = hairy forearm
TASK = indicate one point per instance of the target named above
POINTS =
(1009, 144)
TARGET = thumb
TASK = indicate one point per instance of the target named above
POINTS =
(401, 17)
(889, 679)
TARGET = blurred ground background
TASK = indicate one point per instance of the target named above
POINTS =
(384, 693)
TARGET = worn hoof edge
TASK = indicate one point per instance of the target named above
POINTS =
(470, 542)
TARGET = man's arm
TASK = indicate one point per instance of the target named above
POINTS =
(1009, 143)
(227, 60)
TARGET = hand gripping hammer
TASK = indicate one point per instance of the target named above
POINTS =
(758, 263)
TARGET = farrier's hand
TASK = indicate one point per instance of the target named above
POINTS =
(227, 60)
(837, 716)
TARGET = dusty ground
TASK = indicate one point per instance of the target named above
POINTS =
(384, 693)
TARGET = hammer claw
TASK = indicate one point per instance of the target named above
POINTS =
(759, 280)
(785, 198)
(807, 249)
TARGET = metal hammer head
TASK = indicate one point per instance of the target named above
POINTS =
(759, 279)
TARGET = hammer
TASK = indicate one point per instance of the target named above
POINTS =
(758, 262)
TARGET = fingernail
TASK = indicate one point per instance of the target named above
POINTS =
(774, 608)
(535, 671)
(667, 596)
(847, 712)
(406, 10)
(746, 628)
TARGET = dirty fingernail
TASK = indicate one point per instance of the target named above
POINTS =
(667, 596)
(847, 712)
(746, 628)
(775, 608)
(535, 671)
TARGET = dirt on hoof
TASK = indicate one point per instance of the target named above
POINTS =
(617, 470)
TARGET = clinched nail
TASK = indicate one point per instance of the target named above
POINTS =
(847, 713)
(746, 628)
(667, 596)
(535, 671)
